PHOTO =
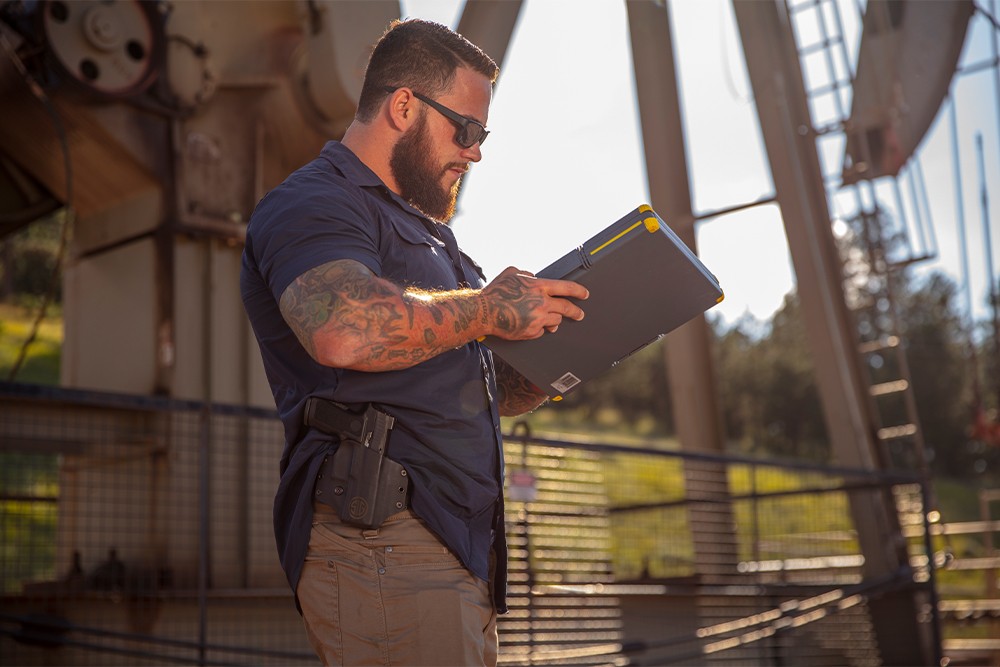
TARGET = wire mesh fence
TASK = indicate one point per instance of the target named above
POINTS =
(138, 531)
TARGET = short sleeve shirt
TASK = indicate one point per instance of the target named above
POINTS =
(447, 433)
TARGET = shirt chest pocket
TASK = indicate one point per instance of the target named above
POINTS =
(420, 260)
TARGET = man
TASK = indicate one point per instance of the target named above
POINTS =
(368, 314)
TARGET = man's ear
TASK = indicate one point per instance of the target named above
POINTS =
(401, 109)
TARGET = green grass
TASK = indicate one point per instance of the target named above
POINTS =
(28, 518)
(41, 365)
(27, 551)
(554, 421)
(28, 528)
(657, 541)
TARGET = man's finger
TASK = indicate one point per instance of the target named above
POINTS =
(563, 288)
(567, 308)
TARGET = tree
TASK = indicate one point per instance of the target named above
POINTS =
(768, 389)
(636, 390)
(28, 261)
(939, 364)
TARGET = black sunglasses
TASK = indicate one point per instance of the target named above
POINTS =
(470, 132)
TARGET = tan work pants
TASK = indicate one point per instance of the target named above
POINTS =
(394, 596)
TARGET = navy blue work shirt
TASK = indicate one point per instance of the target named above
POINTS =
(447, 433)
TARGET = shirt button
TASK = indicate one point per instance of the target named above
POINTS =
(388, 549)
(381, 570)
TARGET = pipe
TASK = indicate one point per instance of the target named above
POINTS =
(991, 277)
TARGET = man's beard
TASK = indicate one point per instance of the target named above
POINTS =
(419, 179)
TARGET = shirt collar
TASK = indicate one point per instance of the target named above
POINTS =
(349, 164)
(357, 172)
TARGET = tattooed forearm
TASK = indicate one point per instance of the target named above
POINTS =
(444, 306)
(517, 394)
(347, 317)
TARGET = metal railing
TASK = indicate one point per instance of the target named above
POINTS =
(138, 529)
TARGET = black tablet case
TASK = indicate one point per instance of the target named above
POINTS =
(644, 282)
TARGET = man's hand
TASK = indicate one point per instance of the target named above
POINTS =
(519, 306)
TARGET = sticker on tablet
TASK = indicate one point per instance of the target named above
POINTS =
(566, 382)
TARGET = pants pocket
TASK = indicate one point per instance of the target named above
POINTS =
(411, 544)
(319, 597)
(327, 541)
(439, 613)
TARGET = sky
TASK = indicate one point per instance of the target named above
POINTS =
(565, 156)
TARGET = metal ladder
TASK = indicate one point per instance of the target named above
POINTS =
(828, 71)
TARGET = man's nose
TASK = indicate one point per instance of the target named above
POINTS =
(473, 153)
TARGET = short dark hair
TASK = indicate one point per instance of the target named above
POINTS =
(421, 55)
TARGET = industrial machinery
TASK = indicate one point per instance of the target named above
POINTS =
(160, 124)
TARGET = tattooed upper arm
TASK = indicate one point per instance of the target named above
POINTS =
(347, 317)
(517, 394)
(340, 307)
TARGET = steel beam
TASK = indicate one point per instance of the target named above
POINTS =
(696, 413)
(776, 77)
(689, 363)
(489, 24)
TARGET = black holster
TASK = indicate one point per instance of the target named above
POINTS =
(358, 480)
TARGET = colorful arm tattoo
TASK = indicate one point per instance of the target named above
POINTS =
(342, 313)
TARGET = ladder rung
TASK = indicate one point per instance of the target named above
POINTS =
(827, 88)
(893, 387)
(879, 344)
(815, 4)
(835, 127)
(896, 432)
(820, 45)
(912, 260)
